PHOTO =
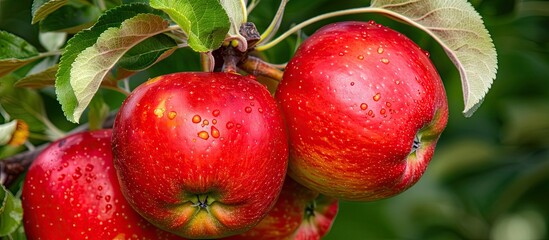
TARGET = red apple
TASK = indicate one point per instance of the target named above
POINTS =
(364, 107)
(71, 192)
(203, 155)
(299, 214)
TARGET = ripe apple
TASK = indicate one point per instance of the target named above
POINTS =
(71, 192)
(364, 107)
(299, 214)
(203, 155)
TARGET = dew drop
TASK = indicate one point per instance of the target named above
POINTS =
(397, 82)
(159, 112)
(352, 83)
(385, 60)
(98, 197)
(196, 119)
(108, 198)
(204, 135)
(382, 111)
(370, 113)
(248, 109)
(205, 122)
(363, 106)
(108, 207)
(76, 175)
(341, 54)
(238, 125)
(215, 113)
(172, 114)
(380, 50)
(65, 164)
(100, 188)
(360, 57)
(215, 132)
(61, 178)
(230, 125)
(89, 168)
(214, 121)
(377, 97)
(388, 104)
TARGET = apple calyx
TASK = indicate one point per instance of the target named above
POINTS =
(203, 204)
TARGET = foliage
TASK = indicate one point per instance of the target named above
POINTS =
(490, 171)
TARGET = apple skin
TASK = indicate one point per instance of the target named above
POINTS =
(202, 155)
(299, 214)
(71, 192)
(355, 96)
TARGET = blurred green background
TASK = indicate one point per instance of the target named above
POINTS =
(489, 178)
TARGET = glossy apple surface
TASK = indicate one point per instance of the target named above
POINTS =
(71, 192)
(364, 107)
(299, 214)
(203, 155)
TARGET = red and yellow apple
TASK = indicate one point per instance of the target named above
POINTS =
(71, 192)
(299, 214)
(364, 107)
(203, 155)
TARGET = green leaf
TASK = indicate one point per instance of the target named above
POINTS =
(11, 212)
(84, 39)
(148, 52)
(6, 131)
(205, 22)
(52, 41)
(99, 111)
(70, 18)
(93, 64)
(42, 8)
(31, 110)
(236, 11)
(15, 52)
(461, 32)
(45, 78)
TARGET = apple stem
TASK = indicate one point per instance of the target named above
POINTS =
(296, 28)
(257, 66)
(12, 167)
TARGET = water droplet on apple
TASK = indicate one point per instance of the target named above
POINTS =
(397, 82)
(385, 60)
(108, 198)
(341, 53)
(216, 113)
(76, 175)
(370, 113)
(352, 83)
(100, 188)
(204, 135)
(196, 119)
(98, 197)
(205, 122)
(215, 132)
(172, 114)
(214, 122)
(230, 125)
(248, 109)
(61, 178)
(360, 57)
(377, 97)
(382, 111)
(260, 110)
(159, 112)
(65, 164)
(89, 168)
(108, 207)
(380, 50)
(388, 104)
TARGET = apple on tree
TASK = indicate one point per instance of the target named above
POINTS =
(203, 155)
(71, 192)
(299, 214)
(364, 107)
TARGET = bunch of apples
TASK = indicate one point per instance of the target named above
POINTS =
(214, 155)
